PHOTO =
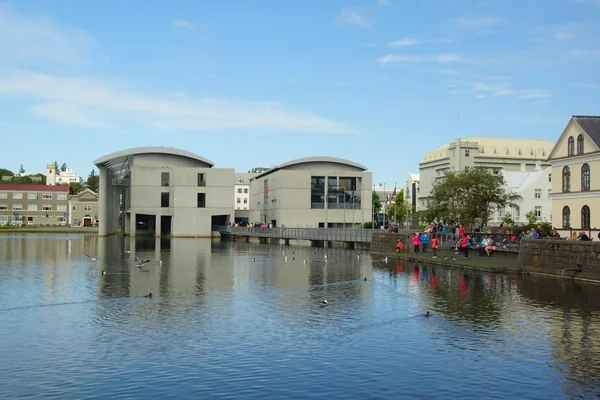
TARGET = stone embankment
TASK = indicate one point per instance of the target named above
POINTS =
(565, 258)
(49, 229)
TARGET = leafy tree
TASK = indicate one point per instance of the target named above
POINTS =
(467, 196)
(398, 209)
(531, 217)
(93, 181)
(6, 172)
(368, 225)
(376, 202)
(508, 220)
(75, 187)
(63, 167)
(21, 170)
(56, 167)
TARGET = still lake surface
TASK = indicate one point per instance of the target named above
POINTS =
(236, 320)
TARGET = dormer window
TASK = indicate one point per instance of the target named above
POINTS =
(580, 144)
(571, 146)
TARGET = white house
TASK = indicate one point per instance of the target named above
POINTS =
(58, 177)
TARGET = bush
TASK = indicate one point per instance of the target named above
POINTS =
(368, 225)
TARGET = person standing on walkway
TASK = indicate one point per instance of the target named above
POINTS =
(416, 242)
(424, 242)
(464, 245)
(435, 242)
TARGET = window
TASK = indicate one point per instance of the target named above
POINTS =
(317, 192)
(17, 207)
(17, 196)
(3, 195)
(164, 199)
(201, 200)
(32, 207)
(571, 146)
(47, 196)
(585, 217)
(496, 171)
(3, 207)
(61, 207)
(549, 177)
(538, 193)
(245, 201)
(585, 177)
(61, 196)
(47, 207)
(3, 219)
(538, 212)
(517, 212)
(61, 219)
(566, 182)
(239, 190)
(246, 190)
(32, 196)
(87, 208)
(239, 201)
(165, 179)
(201, 180)
(566, 217)
(580, 144)
(467, 153)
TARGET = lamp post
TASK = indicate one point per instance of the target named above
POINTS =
(373, 209)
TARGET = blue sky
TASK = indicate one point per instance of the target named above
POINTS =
(257, 83)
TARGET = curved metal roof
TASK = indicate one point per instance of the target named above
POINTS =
(306, 160)
(118, 162)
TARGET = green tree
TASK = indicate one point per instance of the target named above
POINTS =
(467, 196)
(6, 172)
(398, 209)
(63, 167)
(93, 181)
(376, 202)
(56, 167)
(21, 170)
(75, 187)
(508, 220)
(531, 217)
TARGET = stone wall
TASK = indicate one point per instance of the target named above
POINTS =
(384, 242)
(552, 256)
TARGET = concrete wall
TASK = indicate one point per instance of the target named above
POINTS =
(552, 256)
(289, 200)
(383, 242)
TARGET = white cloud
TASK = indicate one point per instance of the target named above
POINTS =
(412, 42)
(478, 22)
(390, 59)
(184, 25)
(349, 17)
(41, 39)
(384, 2)
(92, 102)
(504, 87)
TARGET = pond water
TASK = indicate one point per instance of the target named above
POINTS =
(238, 320)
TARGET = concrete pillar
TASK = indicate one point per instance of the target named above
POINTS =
(104, 202)
(132, 224)
(157, 226)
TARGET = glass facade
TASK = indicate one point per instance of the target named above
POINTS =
(341, 192)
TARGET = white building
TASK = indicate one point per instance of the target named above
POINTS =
(314, 192)
(164, 191)
(411, 191)
(242, 190)
(57, 177)
(534, 189)
(496, 154)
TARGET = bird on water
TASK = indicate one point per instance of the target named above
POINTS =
(428, 314)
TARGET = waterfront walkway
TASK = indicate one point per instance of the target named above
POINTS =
(312, 234)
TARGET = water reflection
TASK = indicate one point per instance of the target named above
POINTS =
(244, 320)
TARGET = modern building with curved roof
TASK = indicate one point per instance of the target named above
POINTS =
(162, 191)
(312, 192)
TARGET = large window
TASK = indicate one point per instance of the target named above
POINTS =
(47, 196)
(585, 177)
(165, 179)
(580, 144)
(201, 200)
(317, 192)
(571, 146)
(164, 199)
(32, 196)
(585, 217)
(566, 217)
(201, 180)
(566, 182)
(538, 193)
(538, 213)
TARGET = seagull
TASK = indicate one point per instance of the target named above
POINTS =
(91, 258)
(385, 259)
(326, 256)
(285, 258)
(304, 261)
(128, 251)
(103, 272)
(357, 256)
(324, 303)
(142, 262)
(149, 295)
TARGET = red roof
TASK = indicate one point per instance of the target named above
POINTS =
(33, 188)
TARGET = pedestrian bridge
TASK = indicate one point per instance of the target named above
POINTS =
(317, 235)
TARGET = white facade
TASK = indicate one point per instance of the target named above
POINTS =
(311, 193)
(57, 177)
(495, 154)
(534, 189)
(411, 191)
(165, 192)
(242, 190)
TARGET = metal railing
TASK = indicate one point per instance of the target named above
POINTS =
(329, 234)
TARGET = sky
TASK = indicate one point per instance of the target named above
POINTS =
(258, 83)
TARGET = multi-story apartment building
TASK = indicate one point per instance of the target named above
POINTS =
(33, 204)
(496, 154)
(241, 190)
(575, 163)
(83, 208)
(57, 177)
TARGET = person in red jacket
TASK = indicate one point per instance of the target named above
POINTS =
(435, 242)
(464, 245)
(399, 246)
